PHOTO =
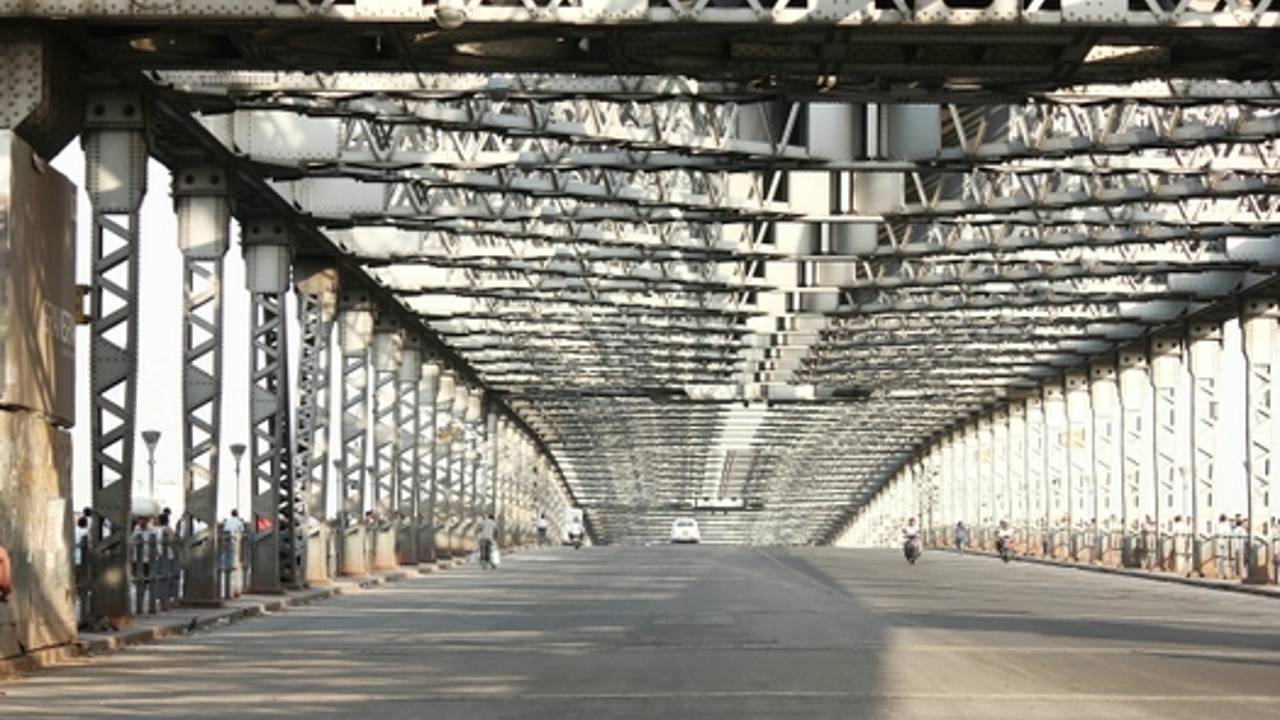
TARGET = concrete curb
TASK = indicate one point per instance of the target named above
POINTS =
(158, 628)
(1269, 591)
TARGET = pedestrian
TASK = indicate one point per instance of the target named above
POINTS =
(488, 531)
(961, 537)
(541, 526)
(1222, 547)
(1240, 545)
(82, 539)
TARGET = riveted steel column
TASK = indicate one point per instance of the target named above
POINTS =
(115, 147)
(1056, 461)
(1166, 371)
(1258, 319)
(429, 447)
(1137, 454)
(1017, 513)
(1035, 486)
(1205, 357)
(950, 493)
(277, 542)
(999, 508)
(388, 342)
(493, 451)
(446, 440)
(316, 290)
(1104, 395)
(408, 451)
(1081, 520)
(355, 335)
(203, 206)
(986, 482)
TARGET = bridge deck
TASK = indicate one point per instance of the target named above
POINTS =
(710, 632)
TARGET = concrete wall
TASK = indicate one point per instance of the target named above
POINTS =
(35, 526)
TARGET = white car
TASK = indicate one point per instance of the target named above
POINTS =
(685, 530)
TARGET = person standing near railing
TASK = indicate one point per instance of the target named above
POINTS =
(1222, 547)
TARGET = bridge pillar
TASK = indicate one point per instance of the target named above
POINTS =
(1170, 472)
(388, 344)
(1057, 460)
(115, 145)
(999, 503)
(1137, 456)
(1036, 532)
(1205, 356)
(408, 450)
(278, 540)
(1104, 395)
(37, 391)
(355, 335)
(1258, 321)
(316, 289)
(1018, 468)
(1082, 519)
(446, 442)
(428, 448)
(203, 203)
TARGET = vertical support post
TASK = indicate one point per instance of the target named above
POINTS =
(428, 392)
(203, 206)
(1081, 517)
(316, 289)
(1056, 461)
(446, 439)
(115, 146)
(1137, 454)
(355, 335)
(1205, 356)
(950, 493)
(1166, 372)
(1017, 464)
(1104, 392)
(999, 508)
(983, 520)
(1258, 324)
(277, 542)
(408, 451)
(1036, 452)
(388, 343)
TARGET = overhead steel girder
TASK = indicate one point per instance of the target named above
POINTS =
(541, 272)
(345, 200)
(378, 242)
(1212, 207)
(445, 304)
(378, 129)
(930, 47)
(1047, 193)
(948, 237)
(457, 86)
(1105, 126)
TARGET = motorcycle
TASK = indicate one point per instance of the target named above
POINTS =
(911, 549)
(575, 539)
(1005, 548)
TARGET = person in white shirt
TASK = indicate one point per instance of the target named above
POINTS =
(541, 526)
(1222, 546)
(488, 531)
(82, 538)
(576, 532)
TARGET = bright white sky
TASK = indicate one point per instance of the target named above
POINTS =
(160, 372)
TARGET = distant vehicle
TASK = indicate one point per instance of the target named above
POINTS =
(685, 530)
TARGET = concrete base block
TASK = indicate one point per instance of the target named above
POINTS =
(384, 549)
(35, 527)
(354, 563)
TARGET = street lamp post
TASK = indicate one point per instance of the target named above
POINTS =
(151, 438)
(237, 453)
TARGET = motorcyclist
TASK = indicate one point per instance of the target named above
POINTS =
(911, 539)
(1004, 538)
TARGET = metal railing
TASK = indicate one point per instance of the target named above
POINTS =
(1182, 552)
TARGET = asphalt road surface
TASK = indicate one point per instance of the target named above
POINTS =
(709, 633)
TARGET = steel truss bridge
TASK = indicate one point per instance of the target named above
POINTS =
(843, 260)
